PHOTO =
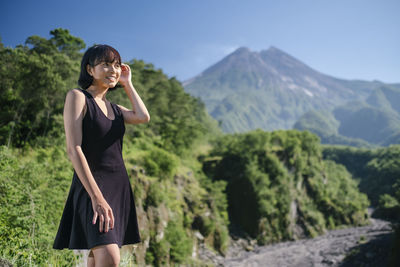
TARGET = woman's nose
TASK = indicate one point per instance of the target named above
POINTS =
(113, 69)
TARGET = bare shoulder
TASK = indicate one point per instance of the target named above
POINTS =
(76, 93)
(76, 96)
(75, 101)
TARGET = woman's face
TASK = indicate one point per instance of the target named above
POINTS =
(105, 74)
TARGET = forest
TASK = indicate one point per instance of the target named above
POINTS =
(193, 184)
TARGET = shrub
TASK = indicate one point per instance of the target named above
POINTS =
(160, 163)
(181, 244)
(32, 194)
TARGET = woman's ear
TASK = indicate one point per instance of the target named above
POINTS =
(89, 69)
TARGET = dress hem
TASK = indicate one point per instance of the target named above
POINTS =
(100, 244)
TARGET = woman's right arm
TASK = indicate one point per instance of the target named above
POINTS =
(73, 116)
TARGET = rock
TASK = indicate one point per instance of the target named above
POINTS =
(5, 263)
(249, 248)
(253, 242)
(329, 261)
(199, 235)
(160, 236)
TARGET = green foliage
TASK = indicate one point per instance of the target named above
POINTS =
(180, 243)
(33, 84)
(338, 198)
(160, 163)
(62, 41)
(387, 201)
(216, 224)
(32, 195)
(377, 169)
(204, 224)
(319, 122)
(221, 238)
(158, 253)
(174, 248)
(278, 180)
(155, 195)
(186, 193)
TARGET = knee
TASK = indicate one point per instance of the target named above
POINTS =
(111, 260)
(114, 260)
(107, 256)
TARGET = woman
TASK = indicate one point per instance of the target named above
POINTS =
(100, 211)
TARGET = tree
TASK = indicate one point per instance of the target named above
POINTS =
(33, 83)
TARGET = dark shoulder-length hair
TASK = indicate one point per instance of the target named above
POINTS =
(94, 56)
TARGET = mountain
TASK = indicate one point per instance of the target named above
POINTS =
(269, 89)
(375, 120)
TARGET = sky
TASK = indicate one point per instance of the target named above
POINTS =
(349, 39)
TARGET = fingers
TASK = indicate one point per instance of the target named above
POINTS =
(126, 67)
(111, 219)
(104, 213)
(101, 223)
(95, 217)
(106, 222)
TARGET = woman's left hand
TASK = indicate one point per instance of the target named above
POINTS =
(126, 75)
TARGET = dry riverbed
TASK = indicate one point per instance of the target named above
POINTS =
(355, 246)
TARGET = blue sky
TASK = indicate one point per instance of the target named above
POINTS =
(351, 39)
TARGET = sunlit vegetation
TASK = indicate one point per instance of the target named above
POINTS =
(378, 173)
(279, 187)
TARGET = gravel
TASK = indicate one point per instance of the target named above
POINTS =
(355, 246)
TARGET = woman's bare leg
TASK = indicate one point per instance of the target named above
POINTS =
(90, 260)
(106, 255)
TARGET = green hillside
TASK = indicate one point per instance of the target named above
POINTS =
(377, 169)
(325, 125)
(269, 90)
(247, 110)
(375, 121)
(292, 192)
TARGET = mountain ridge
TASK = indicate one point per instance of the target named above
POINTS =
(375, 120)
(270, 82)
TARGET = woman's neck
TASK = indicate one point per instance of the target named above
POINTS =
(97, 92)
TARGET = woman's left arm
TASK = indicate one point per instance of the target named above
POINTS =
(139, 113)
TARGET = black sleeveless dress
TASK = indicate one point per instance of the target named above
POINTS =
(102, 146)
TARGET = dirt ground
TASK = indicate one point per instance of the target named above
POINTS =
(355, 246)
